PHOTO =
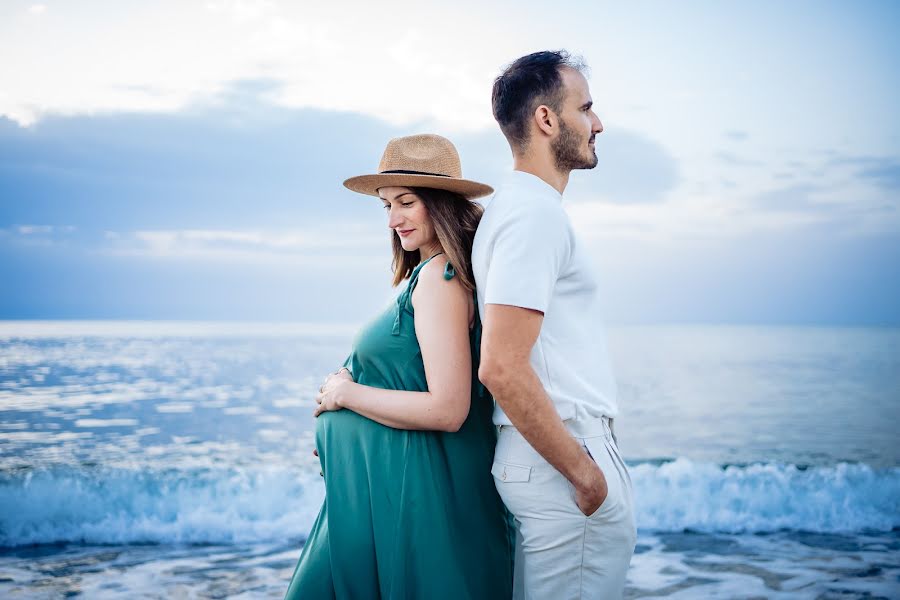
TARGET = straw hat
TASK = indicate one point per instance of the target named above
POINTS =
(424, 160)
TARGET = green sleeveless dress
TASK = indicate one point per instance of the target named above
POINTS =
(407, 514)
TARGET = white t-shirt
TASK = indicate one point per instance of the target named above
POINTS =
(526, 254)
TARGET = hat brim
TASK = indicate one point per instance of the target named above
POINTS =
(369, 184)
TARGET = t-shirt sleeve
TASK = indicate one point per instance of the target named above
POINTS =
(530, 249)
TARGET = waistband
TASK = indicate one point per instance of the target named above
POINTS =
(590, 427)
(584, 428)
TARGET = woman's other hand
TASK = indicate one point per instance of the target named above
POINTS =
(333, 391)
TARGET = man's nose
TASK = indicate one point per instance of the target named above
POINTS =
(598, 126)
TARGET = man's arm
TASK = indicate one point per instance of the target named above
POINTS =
(509, 333)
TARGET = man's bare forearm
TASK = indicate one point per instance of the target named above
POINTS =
(524, 400)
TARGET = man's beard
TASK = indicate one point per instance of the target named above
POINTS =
(568, 150)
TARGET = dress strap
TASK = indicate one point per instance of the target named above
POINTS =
(404, 300)
(449, 271)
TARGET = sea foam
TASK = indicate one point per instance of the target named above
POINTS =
(758, 498)
(117, 506)
(100, 505)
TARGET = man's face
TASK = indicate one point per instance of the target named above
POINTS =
(573, 147)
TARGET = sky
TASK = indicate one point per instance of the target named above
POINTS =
(184, 159)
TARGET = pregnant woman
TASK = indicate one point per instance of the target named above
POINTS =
(404, 430)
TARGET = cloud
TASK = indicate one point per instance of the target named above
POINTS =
(885, 175)
(794, 198)
(33, 236)
(796, 276)
(43, 229)
(732, 159)
(328, 57)
(343, 243)
(240, 160)
(737, 136)
(842, 208)
(882, 171)
(241, 11)
(632, 169)
(32, 229)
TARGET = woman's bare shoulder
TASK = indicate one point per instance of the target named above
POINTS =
(432, 282)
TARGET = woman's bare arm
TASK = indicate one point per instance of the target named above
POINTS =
(442, 328)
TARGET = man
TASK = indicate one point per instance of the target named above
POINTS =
(543, 356)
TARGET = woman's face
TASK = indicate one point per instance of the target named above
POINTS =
(408, 217)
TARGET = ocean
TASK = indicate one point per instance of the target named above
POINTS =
(174, 460)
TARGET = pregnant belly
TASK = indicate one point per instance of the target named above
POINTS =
(345, 438)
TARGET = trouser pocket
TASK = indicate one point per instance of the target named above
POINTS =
(528, 484)
(597, 448)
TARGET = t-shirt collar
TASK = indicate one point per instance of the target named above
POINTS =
(533, 183)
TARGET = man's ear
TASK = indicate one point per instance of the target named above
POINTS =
(546, 120)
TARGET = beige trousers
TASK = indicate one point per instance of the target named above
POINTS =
(563, 554)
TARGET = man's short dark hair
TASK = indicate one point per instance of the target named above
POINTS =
(526, 84)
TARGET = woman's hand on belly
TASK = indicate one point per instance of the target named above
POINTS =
(333, 391)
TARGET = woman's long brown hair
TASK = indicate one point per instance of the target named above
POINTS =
(455, 220)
